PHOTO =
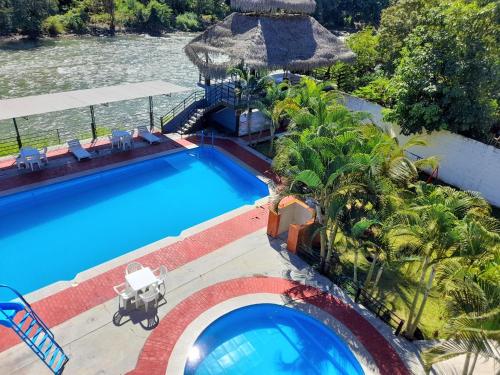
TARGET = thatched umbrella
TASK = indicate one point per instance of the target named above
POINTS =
(279, 40)
(269, 6)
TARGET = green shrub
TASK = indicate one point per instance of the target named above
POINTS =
(75, 20)
(187, 22)
(381, 90)
(53, 25)
(158, 17)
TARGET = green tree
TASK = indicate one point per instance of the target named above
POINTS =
(5, 17)
(28, 15)
(397, 22)
(448, 76)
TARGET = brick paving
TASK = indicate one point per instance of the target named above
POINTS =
(160, 344)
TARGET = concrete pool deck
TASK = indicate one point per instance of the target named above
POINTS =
(220, 265)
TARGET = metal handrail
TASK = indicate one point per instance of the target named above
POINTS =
(29, 309)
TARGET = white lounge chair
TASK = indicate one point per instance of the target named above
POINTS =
(149, 296)
(77, 150)
(125, 293)
(132, 267)
(161, 275)
(145, 134)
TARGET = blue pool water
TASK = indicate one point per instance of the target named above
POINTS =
(271, 340)
(52, 233)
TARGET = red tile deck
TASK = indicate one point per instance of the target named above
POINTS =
(159, 345)
(73, 301)
(46, 174)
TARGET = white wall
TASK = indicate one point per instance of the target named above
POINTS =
(463, 162)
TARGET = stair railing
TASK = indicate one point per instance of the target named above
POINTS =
(29, 309)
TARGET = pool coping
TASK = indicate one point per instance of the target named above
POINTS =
(179, 355)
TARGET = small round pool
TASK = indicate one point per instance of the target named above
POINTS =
(270, 339)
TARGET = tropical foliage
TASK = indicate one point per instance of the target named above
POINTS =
(54, 17)
(369, 201)
(433, 63)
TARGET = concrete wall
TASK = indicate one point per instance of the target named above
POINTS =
(226, 118)
(463, 162)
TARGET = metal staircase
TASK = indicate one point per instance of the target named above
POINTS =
(186, 116)
(20, 317)
(190, 125)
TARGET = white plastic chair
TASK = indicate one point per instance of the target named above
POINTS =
(34, 160)
(126, 142)
(21, 162)
(150, 295)
(125, 293)
(114, 140)
(133, 267)
(161, 275)
(43, 156)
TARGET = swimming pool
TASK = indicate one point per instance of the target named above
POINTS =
(272, 340)
(54, 232)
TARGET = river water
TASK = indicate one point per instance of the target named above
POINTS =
(54, 65)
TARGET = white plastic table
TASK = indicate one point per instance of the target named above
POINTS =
(141, 279)
(125, 138)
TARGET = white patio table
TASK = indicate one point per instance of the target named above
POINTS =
(140, 280)
(32, 156)
(125, 138)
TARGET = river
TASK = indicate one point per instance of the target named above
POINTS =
(54, 65)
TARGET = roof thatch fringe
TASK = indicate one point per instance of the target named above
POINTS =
(292, 42)
(267, 6)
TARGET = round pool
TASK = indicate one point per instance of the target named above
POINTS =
(270, 339)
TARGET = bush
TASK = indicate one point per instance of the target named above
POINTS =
(53, 25)
(158, 17)
(381, 90)
(75, 21)
(187, 22)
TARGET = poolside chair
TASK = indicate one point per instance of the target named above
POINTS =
(77, 150)
(21, 162)
(34, 160)
(161, 275)
(145, 134)
(125, 293)
(114, 140)
(43, 156)
(150, 295)
(132, 267)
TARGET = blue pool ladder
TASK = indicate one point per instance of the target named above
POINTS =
(33, 331)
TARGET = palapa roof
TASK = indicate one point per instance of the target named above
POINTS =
(261, 6)
(290, 42)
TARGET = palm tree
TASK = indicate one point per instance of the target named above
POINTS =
(249, 85)
(474, 328)
(430, 227)
(274, 106)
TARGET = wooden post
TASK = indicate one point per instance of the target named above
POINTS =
(151, 118)
(92, 123)
(18, 136)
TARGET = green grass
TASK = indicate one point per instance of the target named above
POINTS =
(396, 289)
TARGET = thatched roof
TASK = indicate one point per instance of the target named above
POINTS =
(290, 42)
(268, 6)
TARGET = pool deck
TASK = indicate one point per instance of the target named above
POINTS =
(215, 267)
